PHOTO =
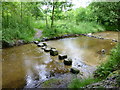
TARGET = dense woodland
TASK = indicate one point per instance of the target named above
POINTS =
(19, 19)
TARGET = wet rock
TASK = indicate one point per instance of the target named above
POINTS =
(103, 51)
(53, 48)
(19, 42)
(114, 40)
(89, 34)
(62, 56)
(47, 49)
(68, 61)
(74, 70)
(101, 38)
(36, 42)
(53, 52)
(45, 44)
(43, 47)
(40, 44)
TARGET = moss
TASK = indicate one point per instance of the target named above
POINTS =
(51, 83)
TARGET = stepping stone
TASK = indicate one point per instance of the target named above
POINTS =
(114, 40)
(68, 61)
(74, 70)
(36, 42)
(62, 56)
(43, 47)
(103, 51)
(47, 49)
(40, 45)
(45, 44)
(53, 52)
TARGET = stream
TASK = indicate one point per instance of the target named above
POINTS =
(28, 66)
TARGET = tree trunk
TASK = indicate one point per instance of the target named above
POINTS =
(52, 22)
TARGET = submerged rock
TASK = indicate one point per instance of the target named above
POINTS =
(53, 52)
(74, 70)
(68, 61)
(61, 56)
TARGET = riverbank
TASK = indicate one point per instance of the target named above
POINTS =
(108, 73)
(98, 35)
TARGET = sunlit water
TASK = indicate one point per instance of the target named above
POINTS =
(28, 64)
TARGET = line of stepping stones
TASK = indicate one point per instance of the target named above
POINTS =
(54, 52)
(76, 35)
(97, 37)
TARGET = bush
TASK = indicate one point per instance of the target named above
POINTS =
(112, 64)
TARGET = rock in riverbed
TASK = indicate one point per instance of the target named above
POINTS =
(53, 52)
(114, 40)
(68, 61)
(41, 44)
(36, 42)
(47, 49)
(74, 70)
(43, 47)
(61, 56)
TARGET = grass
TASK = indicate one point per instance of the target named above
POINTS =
(40, 24)
(70, 27)
(112, 64)
(76, 83)
(10, 35)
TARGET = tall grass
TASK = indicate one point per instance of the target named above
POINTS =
(39, 24)
(70, 27)
(11, 35)
(77, 83)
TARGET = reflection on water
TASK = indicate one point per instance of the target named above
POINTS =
(26, 65)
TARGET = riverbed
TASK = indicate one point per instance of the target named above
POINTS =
(29, 66)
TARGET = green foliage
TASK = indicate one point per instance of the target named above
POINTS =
(106, 13)
(77, 83)
(67, 27)
(112, 64)
(17, 22)
(39, 24)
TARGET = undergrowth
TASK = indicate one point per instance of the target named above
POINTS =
(67, 27)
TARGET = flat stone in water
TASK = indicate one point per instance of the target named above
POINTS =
(47, 49)
(36, 42)
(74, 70)
(53, 52)
(68, 61)
(61, 56)
(40, 45)
(43, 47)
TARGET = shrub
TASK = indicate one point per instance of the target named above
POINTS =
(112, 64)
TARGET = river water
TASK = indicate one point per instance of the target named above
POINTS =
(26, 64)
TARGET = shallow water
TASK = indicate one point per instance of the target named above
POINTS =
(27, 64)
